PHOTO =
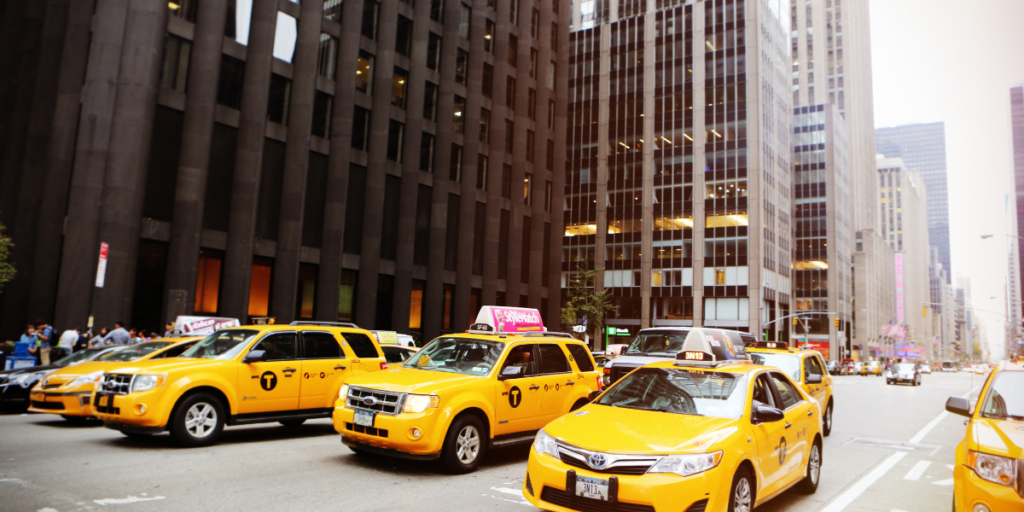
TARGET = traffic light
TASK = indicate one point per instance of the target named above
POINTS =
(836, 321)
(924, 310)
(794, 320)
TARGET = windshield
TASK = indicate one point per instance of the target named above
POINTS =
(657, 344)
(467, 356)
(78, 357)
(680, 391)
(222, 344)
(134, 352)
(904, 367)
(947, 364)
(1005, 399)
(789, 364)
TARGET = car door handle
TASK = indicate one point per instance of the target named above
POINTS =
(570, 383)
(340, 367)
(789, 425)
(810, 413)
(289, 370)
(534, 387)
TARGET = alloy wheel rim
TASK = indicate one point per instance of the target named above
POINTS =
(467, 445)
(741, 498)
(201, 420)
(828, 418)
(815, 464)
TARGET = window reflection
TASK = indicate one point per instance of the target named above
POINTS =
(284, 38)
(364, 72)
(398, 87)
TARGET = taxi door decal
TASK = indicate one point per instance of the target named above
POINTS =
(515, 397)
(268, 381)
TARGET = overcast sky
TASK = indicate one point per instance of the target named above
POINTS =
(955, 61)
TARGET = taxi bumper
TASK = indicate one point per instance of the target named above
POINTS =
(72, 403)
(131, 411)
(544, 486)
(971, 490)
(393, 435)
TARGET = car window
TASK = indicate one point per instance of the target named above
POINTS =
(468, 356)
(763, 392)
(581, 354)
(175, 351)
(224, 344)
(361, 344)
(395, 354)
(655, 343)
(522, 356)
(278, 347)
(553, 360)
(135, 351)
(1005, 398)
(680, 391)
(812, 367)
(321, 345)
(789, 395)
(788, 363)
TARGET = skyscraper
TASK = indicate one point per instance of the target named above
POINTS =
(679, 180)
(1017, 132)
(923, 148)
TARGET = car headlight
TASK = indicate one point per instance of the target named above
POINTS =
(686, 465)
(93, 377)
(26, 380)
(343, 392)
(1000, 470)
(546, 444)
(419, 403)
(147, 382)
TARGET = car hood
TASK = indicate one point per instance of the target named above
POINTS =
(409, 380)
(167, 365)
(637, 361)
(31, 369)
(999, 437)
(629, 431)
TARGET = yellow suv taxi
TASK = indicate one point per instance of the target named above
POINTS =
(989, 472)
(68, 391)
(871, 368)
(708, 431)
(463, 393)
(238, 376)
(805, 367)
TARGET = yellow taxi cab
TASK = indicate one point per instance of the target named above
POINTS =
(238, 376)
(805, 367)
(870, 368)
(463, 393)
(989, 471)
(708, 431)
(68, 391)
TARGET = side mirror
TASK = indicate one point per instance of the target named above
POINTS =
(814, 379)
(511, 372)
(254, 357)
(766, 414)
(958, 405)
(593, 395)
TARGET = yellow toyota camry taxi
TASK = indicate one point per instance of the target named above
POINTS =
(989, 472)
(805, 367)
(871, 368)
(68, 391)
(463, 393)
(707, 431)
(238, 376)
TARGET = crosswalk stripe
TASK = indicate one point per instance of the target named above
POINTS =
(918, 470)
(945, 483)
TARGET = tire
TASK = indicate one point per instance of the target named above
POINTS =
(809, 484)
(826, 427)
(464, 445)
(292, 423)
(743, 492)
(187, 431)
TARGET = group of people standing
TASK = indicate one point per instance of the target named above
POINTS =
(45, 347)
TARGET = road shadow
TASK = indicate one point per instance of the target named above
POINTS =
(54, 421)
(494, 458)
(260, 434)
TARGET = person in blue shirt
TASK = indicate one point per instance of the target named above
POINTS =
(29, 337)
(45, 332)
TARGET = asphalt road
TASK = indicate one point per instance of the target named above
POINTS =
(891, 450)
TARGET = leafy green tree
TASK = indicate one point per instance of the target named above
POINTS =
(6, 268)
(583, 300)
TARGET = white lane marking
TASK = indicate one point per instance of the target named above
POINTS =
(918, 470)
(928, 428)
(945, 483)
(862, 485)
(47, 509)
(951, 467)
(125, 501)
(898, 510)
(516, 492)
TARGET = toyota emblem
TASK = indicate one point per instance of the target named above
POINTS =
(370, 401)
(598, 461)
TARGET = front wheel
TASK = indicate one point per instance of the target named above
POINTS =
(198, 420)
(827, 427)
(464, 445)
(741, 498)
(809, 485)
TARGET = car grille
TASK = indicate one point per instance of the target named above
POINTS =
(616, 464)
(629, 470)
(49, 406)
(386, 402)
(117, 383)
(370, 431)
(564, 499)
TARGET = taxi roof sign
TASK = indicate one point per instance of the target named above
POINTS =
(509, 320)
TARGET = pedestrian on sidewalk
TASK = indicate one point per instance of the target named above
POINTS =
(119, 336)
(67, 343)
(83, 340)
(45, 332)
(169, 331)
(29, 336)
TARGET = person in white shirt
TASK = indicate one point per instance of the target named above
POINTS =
(67, 342)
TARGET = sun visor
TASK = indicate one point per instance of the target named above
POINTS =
(504, 319)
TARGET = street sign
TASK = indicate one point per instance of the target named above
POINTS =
(584, 320)
(578, 328)
(101, 268)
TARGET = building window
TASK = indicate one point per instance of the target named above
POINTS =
(533, 62)
(416, 304)
(427, 152)
(332, 10)
(459, 115)
(485, 126)
(184, 9)
(510, 93)
(327, 56)
(547, 196)
(552, 67)
(530, 146)
(513, 50)
(535, 24)
(399, 86)
(433, 51)
(259, 286)
(554, 33)
(369, 27)
(487, 83)
(455, 163)
(285, 37)
(462, 66)
(396, 135)
(306, 300)
(174, 72)
(465, 16)
(527, 188)
(509, 128)
(506, 181)
(481, 172)
(229, 85)
(551, 114)
(436, 8)
(430, 102)
(489, 30)
(513, 14)
(208, 283)
(403, 37)
(322, 107)
(279, 100)
(347, 295)
(360, 128)
(364, 73)
(550, 163)
(531, 104)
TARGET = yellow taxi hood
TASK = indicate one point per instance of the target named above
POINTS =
(70, 373)
(167, 365)
(620, 430)
(999, 437)
(411, 380)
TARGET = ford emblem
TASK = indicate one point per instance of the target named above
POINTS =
(598, 461)
(109, 384)
(370, 401)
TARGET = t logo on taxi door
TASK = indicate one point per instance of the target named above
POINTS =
(268, 381)
(515, 397)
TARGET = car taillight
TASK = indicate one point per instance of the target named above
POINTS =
(600, 384)
(383, 365)
(608, 371)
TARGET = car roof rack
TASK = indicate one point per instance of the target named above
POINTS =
(325, 324)
(547, 334)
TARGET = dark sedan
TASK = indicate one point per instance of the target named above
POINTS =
(15, 384)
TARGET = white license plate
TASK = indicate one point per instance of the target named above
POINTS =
(364, 419)
(592, 488)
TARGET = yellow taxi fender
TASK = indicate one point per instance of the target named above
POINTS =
(461, 403)
(184, 385)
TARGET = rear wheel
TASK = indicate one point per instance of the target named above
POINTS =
(813, 473)
(464, 445)
(827, 427)
(198, 420)
(292, 423)
(741, 498)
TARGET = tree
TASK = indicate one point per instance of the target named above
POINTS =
(583, 300)
(6, 269)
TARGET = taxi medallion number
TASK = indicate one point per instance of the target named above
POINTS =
(592, 488)
(364, 419)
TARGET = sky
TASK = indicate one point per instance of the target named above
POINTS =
(955, 61)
